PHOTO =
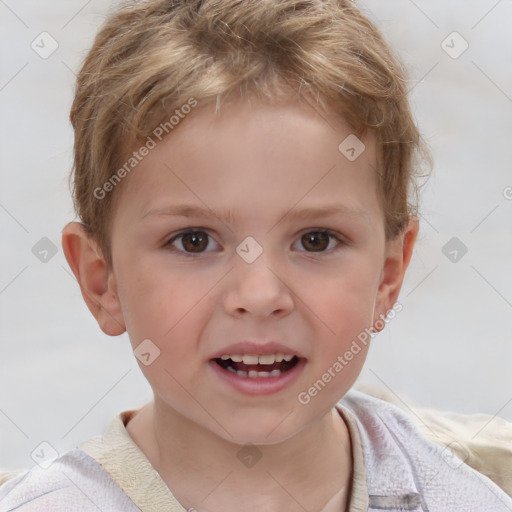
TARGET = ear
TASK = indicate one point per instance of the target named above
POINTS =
(398, 255)
(97, 282)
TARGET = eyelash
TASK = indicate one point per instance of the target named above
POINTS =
(169, 243)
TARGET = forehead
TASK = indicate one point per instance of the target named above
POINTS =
(253, 155)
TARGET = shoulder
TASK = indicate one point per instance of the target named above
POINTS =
(74, 481)
(401, 462)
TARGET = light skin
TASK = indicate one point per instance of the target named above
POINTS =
(264, 163)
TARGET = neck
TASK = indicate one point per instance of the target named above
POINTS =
(204, 471)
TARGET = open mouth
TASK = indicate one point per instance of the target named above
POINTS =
(259, 369)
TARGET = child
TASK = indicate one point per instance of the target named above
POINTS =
(243, 172)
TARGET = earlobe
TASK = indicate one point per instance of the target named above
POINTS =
(97, 282)
(398, 256)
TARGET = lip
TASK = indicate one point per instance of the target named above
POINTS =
(258, 349)
(258, 385)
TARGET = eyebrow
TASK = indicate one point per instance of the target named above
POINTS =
(229, 215)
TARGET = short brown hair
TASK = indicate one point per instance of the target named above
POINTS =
(151, 56)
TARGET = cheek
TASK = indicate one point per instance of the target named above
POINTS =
(173, 320)
(348, 301)
(346, 311)
(155, 297)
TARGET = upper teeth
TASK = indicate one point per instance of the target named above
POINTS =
(255, 359)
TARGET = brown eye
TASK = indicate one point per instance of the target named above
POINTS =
(188, 243)
(321, 241)
(195, 241)
(317, 241)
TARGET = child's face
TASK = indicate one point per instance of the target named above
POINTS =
(253, 170)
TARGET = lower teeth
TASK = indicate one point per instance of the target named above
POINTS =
(253, 374)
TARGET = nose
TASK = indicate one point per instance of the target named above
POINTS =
(257, 289)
